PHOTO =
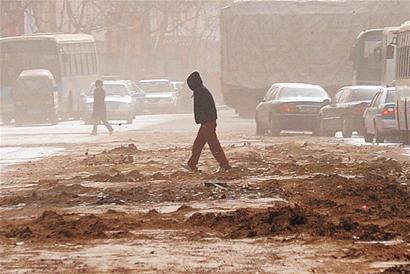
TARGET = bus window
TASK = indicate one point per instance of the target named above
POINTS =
(28, 55)
(90, 63)
(94, 60)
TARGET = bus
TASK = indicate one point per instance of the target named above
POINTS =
(71, 58)
(403, 83)
(374, 57)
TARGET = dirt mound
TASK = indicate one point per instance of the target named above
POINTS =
(115, 178)
(129, 149)
(51, 225)
(286, 220)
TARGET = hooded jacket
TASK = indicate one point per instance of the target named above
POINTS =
(204, 104)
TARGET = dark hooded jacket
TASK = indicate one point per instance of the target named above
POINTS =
(204, 104)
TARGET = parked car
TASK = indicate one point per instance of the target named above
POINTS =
(346, 111)
(184, 97)
(35, 97)
(118, 99)
(160, 96)
(290, 106)
(379, 117)
(138, 96)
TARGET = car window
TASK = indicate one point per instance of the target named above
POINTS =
(376, 100)
(111, 90)
(268, 95)
(345, 96)
(288, 92)
(338, 96)
(273, 94)
(391, 96)
(362, 94)
(156, 86)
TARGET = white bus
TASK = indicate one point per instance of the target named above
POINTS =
(403, 82)
(71, 58)
(374, 57)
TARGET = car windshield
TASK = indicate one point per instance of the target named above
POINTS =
(155, 86)
(363, 94)
(391, 96)
(111, 90)
(33, 83)
(302, 92)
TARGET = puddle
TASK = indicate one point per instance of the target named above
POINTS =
(391, 242)
(202, 206)
(388, 264)
(16, 155)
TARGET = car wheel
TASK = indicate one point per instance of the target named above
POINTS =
(368, 138)
(378, 137)
(274, 128)
(323, 131)
(347, 130)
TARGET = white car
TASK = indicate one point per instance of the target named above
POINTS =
(160, 96)
(380, 116)
(118, 99)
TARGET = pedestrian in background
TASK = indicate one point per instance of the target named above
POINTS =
(99, 108)
(206, 115)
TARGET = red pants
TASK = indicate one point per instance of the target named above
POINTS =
(207, 134)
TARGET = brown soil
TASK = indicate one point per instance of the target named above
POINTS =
(332, 192)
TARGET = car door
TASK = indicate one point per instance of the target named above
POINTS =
(370, 113)
(263, 109)
(378, 109)
(330, 114)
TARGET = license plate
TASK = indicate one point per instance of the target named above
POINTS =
(308, 110)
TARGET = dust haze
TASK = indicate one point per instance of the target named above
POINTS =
(204, 136)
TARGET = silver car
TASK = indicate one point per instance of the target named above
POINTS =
(379, 117)
(160, 96)
(118, 99)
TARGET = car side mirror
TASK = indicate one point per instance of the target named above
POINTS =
(326, 102)
(263, 99)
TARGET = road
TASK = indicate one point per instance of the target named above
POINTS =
(20, 144)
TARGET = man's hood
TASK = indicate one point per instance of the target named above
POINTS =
(194, 81)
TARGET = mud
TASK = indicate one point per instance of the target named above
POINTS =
(312, 193)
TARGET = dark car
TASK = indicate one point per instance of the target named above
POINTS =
(346, 111)
(379, 117)
(160, 96)
(290, 106)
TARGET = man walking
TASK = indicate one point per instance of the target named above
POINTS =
(205, 114)
(99, 108)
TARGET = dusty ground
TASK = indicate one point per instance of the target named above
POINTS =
(293, 204)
